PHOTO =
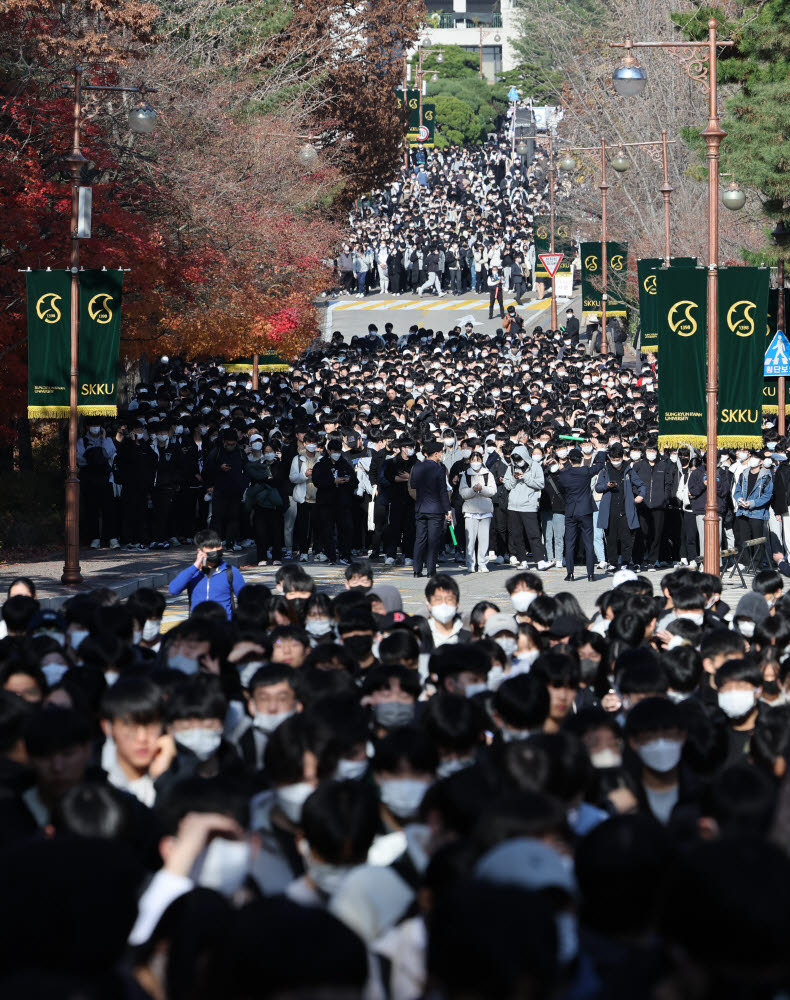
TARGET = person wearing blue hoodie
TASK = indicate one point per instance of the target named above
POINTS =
(209, 578)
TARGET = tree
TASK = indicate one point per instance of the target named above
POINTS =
(456, 123)
(457, 63)
(486, 101)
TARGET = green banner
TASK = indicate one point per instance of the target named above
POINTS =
(563, 242)
(682, 306)
(771, 385)
(48, 342)
(592, 277)
(648, 311)
(743, 310)
(412, 103)
(413, 136)
(100, 340)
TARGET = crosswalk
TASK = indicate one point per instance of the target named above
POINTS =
(430, 304)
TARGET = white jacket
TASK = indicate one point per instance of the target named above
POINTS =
(298, 478)
(477, 503)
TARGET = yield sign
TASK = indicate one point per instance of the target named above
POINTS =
(551, 261)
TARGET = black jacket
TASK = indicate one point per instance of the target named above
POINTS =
(429, 480)
(325, 471)
(575, 484)
(659, 480)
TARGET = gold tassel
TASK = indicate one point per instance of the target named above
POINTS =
(774, 408)
(739, 441)
(676, 440)
(97, 411)
(47, 412)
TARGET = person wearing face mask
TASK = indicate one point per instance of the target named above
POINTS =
(656, 734)
(754, 488)
(658, 475)
(396, 471)
(698, 488)
(169, 482)
(135, 469)
(739, 686)
(477, 489)
(271, 699)
(264, 503)
(335, 482)
(442, 596)
(209, 578)
(524, 482)
(95, 457)
(224, 472)
(304, 494)
(618, 490)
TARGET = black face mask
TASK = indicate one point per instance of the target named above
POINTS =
(358, 645)
(213, 559)
(771, 687)
(296, 606)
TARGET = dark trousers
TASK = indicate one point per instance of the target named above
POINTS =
(134, 508)
(400, 529)
(395, 282)
(575, 526)
(163, 519)
(522, 522)
(96, 505)
(336, 517)
(427, 539)
(689, 548)
(499, 534)
(519, 288)
(747, 528)
(619, 536)
(495, 295)
(651, 524)
(380, 518)
(305, 528)
(186, 512)
(225, 516)
(359, 518)
(267, 526)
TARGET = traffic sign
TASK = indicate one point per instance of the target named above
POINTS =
(777, 357)
(551, 261)
(513, 94)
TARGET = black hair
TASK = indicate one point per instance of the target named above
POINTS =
(283, 756)
(146, 603)
(197, 697)
(767, 581)
(207, 538)
(689, 598)
(721, 641)
(477, 615)
(570, 771)
(639, 671)
(399, 645)
(557, 669)
(25, 581)
(739, 670)
(270, 674)
(17, 612)
(14, 713)
(449, 660)
(378, 678)
(203, 795)
(50, 729)
(442, 581)
(339, 821)
(742, 800)
(653, 714)
(683, 667)
(94, 810)
(133, 699)
(406, 743)
(453, 722)
(523, 702)
(543, 610)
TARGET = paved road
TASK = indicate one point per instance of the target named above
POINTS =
(352, 315)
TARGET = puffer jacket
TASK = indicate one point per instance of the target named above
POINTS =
(524, 494)
(482, 502)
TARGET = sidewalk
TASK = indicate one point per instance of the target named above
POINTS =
(121, 571)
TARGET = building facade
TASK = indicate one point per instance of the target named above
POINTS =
(484, 27)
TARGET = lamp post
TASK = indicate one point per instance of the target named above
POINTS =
(142, 119)
(422, 50)
(629, 79)
(621, 163)
(781, 237)
(497, 38)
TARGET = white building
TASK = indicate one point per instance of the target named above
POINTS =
(475, 25)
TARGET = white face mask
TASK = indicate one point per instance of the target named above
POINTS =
(402, 796)
(746, 628)
(521, 600)
(350, 770)
(651, 456)
(470, 690)
(661, 755)
(606, 758)
(334, 455)
(443, 613)
(76, 636)
(475, 466)
(318, 626)
(267, 722)
(635, 456)
(616, 462)
(736, 704)
(754, 463)
(562, 453)
(507, 644)
(587, 449)
(222, 866)
(311, 448)
(698, 619)
(54, 672)
(202, 742)
(291, 798)
(94, 431)
(150, 629)
(186, 664)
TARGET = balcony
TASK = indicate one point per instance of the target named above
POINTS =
(455, 21)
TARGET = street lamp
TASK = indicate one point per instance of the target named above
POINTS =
(700, 62)
(522, 149)
(307, 154)
(620, 161)
(142, 119)
(497, 39)
(781, 237)
(733, 198)
(567, 162)
(422, 50)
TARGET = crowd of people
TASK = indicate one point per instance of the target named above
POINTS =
(297, 794)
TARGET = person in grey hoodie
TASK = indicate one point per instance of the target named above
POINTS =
(477, 489)
(524, 482)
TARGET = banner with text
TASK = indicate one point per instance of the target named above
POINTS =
(771, 385)
(743, 311)
(592, 277)
(563, 243)
(648, 312)
(48, 343)
(100, 340)
(681, 299)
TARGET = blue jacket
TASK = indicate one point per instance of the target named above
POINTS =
(760, 497)
(207, 587)
(429, 481)
(632, 487)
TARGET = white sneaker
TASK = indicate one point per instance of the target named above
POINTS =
(545, 564)
(303, 557)
(513, 561)
(173, 541)
(236, 547)
(321, 557)
(602, 565)
(114, 543)
(389, 561)
(409, 562)
(482, 569)
(523, 565)
(96, 543)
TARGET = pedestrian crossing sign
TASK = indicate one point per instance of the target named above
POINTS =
(551, 261)
(777, 357)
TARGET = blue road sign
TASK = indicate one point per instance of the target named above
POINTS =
(777, 357)
(513, 94)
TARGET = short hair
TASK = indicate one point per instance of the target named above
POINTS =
(207, 538)
(557, 669)
(531, 580)
(133, 699)
(442, 581)
(270, 674)
(399, 645)
(48, 730)
(407, 743)
(523, 701)
(654, 714)
(146, 603)
(17, 612)
(14, 713)
(340, 820)
(197, 697)
(359, 567)
(448, 660)
(378, 679)
(689, 598)
(639, 671)
(721, 642)
(745, 670)
(683, 666)
(453, 722)
(767, 581)
(203, 795)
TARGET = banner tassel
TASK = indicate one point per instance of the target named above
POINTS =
(47, 412)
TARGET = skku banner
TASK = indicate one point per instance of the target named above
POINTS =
(682, 306)
(49, 342)
(616, 275)
(648, 311)
(563, 243)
